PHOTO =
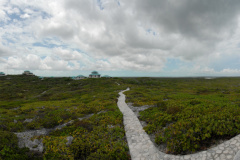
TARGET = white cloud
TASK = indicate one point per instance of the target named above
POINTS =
(67, 55)
(34, 62)
(25, 16)
(5, 51)
(119, 35)
(13, 10)
(228, 71)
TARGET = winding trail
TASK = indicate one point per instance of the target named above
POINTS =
(142, 148)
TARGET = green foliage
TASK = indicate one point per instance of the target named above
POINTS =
(100, 143)
(9, 147)
(101, 136)
(188, 114)
(173, 110)
(54, 101)
(56, 148)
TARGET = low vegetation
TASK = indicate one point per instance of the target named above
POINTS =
(188, 114)
(29, 103)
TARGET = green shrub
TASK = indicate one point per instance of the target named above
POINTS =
(56, 148)
(173, 110)
(160, 138)
(195, 102)
(9, 147)
(162, 105)
(189, 113)
(86, 124)
(101, 143)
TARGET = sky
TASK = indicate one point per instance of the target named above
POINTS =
(155, 38)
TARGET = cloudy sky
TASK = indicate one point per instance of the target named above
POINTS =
(120, 37)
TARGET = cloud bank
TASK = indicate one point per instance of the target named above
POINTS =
(120, 35)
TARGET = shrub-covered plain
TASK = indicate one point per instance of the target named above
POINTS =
(29, 103)
(188, 114)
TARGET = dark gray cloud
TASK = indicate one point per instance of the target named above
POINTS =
(187, 28)
(200, 19)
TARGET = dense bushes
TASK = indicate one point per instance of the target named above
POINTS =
(101, 136)
(26, 87)
(101, 143)
(9, 147)
(195, 127)
(28, 103)
(188, 114)
(104, 141)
